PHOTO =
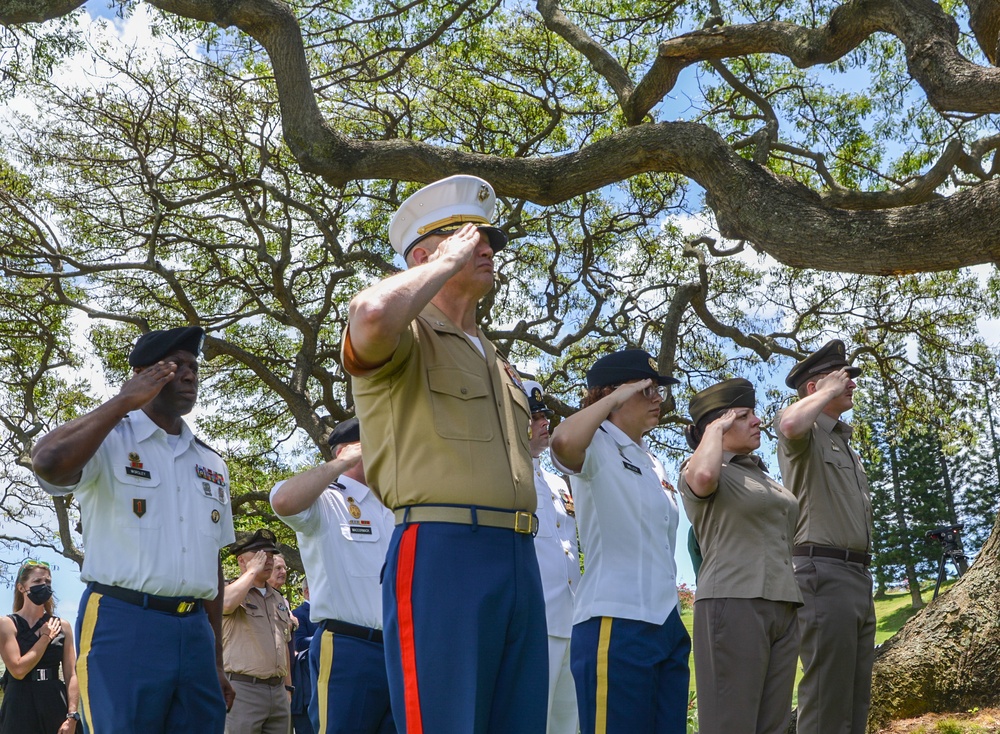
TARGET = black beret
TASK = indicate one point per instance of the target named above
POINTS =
(262, 540)
(734, 393)
(154, 346)
(625, 366)
(830, 357)
(535, 402)
(348, 431)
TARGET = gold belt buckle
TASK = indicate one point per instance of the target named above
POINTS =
(523, 522)
(185, 606)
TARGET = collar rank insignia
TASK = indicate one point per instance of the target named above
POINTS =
(134, 460)
(139, 507)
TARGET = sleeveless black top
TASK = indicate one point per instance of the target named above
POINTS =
(34, 706)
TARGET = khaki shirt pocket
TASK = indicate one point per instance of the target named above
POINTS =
(461, 404)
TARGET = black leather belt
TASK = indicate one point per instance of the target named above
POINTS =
(273, 681)
(179, 606)
(44, 674)
(352, 630)
(824, 551)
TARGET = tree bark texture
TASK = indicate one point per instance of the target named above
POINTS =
(947, 657)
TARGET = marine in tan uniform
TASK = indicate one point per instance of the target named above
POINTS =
(255, 635)
(444, 431)
(832, 544)
(746, 635)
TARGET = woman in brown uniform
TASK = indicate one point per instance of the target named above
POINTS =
(33, 644)
(745, 628)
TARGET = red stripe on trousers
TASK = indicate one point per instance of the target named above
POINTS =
(404, 611)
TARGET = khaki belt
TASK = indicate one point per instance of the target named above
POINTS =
(519, 521)
(823, 551)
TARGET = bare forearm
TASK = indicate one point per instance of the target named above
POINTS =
(705, 465)
(298, 493)
(574, 435)
(234, 594)
(798, 418)
(60, 455)
(379, 314)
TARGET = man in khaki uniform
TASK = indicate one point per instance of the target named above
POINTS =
(255, 635)
(832, 545)
(444, 431)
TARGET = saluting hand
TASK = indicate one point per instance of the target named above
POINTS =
(458, 247)
(146, 384)
(350, 454)
(256, 564)
(835, 383)
(626, 390)
(725, 421)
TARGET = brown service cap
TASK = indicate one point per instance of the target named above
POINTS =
(830, 357)
(734, 393)
(262, 540)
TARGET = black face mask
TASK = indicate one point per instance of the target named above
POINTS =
(39, 593)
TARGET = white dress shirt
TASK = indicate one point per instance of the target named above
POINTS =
(154, 516)
(343, 552)
(627, 515)
(555, 546)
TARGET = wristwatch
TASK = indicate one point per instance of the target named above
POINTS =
(290, 689)
(75, 715)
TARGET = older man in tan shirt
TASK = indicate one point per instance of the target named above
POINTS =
(256, 628)
(444, 428)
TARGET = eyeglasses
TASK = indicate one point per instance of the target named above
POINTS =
(653, 391)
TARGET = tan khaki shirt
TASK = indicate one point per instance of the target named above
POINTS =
(255, 636)
(745, 531)
(825, 473)
(442, 425)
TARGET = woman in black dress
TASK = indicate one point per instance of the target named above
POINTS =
(33, 644)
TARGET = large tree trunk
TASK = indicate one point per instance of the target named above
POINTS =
(947, 657)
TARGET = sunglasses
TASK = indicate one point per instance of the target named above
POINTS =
(32, 562)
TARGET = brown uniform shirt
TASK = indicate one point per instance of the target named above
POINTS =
(442, 425)
(255, 636)
(745, 531)
(825, 473)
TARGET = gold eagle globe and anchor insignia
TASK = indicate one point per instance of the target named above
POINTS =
(655, 367)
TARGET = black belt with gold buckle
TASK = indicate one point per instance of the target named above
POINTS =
(179, 606)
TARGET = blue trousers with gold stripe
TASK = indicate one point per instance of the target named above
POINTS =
(631, 676)
(351, 690)
(146, 672)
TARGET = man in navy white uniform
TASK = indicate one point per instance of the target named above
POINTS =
(343, 531)
(559, 565)
(154, 503)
